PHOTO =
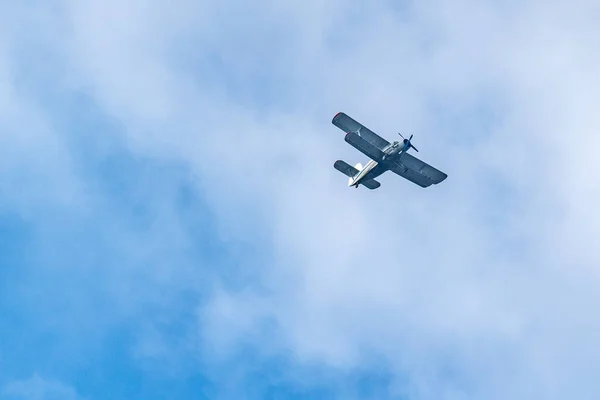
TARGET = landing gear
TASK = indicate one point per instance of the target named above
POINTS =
(356, 186)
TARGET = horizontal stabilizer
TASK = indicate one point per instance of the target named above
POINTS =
(345, 168)
(371, 184)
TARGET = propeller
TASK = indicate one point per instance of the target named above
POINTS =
(407, 141)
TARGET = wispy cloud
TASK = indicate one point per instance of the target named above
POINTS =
(37, 388)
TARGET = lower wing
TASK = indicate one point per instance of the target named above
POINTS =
(364, 146)
(417, 171)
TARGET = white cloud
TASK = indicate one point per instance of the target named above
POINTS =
(34, 154)
(482, 285)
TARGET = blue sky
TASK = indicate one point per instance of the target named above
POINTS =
(171, 225)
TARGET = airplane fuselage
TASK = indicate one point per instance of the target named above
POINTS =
(393, 149)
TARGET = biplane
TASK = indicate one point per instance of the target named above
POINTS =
(384, 156)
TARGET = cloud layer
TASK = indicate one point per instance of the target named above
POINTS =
(170, 171)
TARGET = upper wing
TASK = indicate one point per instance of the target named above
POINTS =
(348, 124)
(418, 171)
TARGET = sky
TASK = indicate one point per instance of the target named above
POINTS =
(172, 227)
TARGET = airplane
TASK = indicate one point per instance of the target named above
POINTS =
(384, 156)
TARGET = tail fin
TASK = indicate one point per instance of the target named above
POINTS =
(358, 167)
